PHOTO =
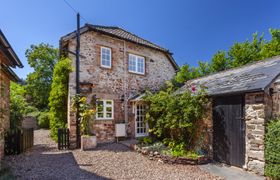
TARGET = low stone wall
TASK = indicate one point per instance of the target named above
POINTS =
(155, 155)
(29, 122)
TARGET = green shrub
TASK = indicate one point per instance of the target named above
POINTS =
(179, 150)
(44, 120)
(58, 96)
(173, 118)
(145, 140)
(272, 149)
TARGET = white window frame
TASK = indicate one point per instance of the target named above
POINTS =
(101, 51)
(136, 64)
(143, 106)
(104, 109)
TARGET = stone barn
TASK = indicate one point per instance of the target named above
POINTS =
(8, 60)
(242, 100)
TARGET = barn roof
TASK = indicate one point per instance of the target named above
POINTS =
(249, 78)
(8, 51)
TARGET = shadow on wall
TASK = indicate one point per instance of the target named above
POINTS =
(48, 165)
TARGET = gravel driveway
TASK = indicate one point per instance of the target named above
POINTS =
(110, 161)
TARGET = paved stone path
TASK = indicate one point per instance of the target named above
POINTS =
(230, 173)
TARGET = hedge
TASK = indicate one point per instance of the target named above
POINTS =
(272, 150)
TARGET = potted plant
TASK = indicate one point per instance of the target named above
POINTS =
(86, 118)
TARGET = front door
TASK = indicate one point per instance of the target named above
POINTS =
(228, 130)
(141, 127)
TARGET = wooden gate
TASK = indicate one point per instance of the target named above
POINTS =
(229, 133)
(18, 141)
(63, 138)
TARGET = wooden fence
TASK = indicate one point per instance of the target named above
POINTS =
(63, 138)
(18, 141)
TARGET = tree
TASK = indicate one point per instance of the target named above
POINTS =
(219, 62)
(203, 68)
(272, 48)
(42, 58)
(58, 96)
(186, 73)
(17, 104)
(238, 55)
(246, 52)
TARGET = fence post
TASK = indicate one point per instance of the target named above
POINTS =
(58, 137)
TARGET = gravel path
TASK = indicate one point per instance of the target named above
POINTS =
(110, 161)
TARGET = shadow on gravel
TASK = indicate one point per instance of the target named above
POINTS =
(55, 165)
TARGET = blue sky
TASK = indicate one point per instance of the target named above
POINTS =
(192, 29)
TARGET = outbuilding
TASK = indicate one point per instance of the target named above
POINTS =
(242, 100)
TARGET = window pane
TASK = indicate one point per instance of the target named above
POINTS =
(100, 115)
(108, 102)
(109, 115)
(140, 65)
(99, 106)
(105, 57)
(132, 63)
(109, 109)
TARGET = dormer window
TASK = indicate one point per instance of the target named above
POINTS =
(106, 57)
(136, 64)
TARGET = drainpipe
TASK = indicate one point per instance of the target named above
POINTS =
(78, 142)
(125, 87)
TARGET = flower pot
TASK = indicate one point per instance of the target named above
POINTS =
(88, 142)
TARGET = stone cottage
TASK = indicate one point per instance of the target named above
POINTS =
(243, 100)
(8, 59)
(116, 66)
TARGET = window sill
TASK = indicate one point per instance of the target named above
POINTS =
(136, 73)
(106, 67)
(105, 119)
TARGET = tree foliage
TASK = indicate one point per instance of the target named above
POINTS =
(42, 58)
(239, 54)
(17, 104)
(58, 96)
(173, 117)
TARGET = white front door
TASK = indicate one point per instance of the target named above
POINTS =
(141, 127)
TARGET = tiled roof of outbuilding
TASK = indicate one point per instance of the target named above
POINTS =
(249, 78)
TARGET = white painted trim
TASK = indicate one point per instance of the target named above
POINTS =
(135, 122)
(136, 65)
(109, 67)
(104, 110)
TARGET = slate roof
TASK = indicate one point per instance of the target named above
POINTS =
(7, 49)
(249, 78)
(120, 33)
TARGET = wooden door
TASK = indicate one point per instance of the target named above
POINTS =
(228, 130)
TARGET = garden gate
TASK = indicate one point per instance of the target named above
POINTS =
(63, 138)
(18, 141)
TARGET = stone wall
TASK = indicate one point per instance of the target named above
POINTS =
(255, 118)
(276, 98)
(4, 108)
(115, 83)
